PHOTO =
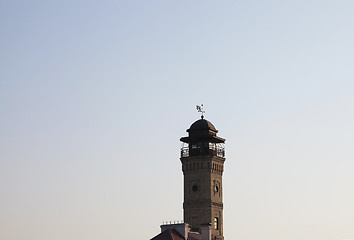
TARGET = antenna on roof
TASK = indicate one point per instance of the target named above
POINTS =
(201, 109)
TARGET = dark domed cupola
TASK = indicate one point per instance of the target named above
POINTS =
(202, 140)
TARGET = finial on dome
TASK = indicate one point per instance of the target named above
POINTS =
(201, 109)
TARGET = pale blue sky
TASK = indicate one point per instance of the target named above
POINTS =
(94, 96)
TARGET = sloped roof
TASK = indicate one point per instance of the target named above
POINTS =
(169, 234)
(194, 236)
(202, 124)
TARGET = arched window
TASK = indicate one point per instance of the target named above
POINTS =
(216, 223)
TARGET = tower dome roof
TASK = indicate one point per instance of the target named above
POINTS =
(202, 131)
(202, 124)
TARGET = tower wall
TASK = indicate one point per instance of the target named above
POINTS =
(203, 192)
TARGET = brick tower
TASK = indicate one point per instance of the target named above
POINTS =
(202, 158)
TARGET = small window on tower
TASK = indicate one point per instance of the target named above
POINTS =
(216, 223)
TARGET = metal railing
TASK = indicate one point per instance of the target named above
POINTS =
(217, 151)
(185, 152)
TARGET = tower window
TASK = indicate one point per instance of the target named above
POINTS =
(216, 223)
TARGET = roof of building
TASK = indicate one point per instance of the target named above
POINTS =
(194, 236)
(202, 124)
(169, 234)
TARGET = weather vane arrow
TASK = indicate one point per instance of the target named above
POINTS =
(201, 110)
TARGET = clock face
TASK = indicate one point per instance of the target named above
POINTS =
(195, 188)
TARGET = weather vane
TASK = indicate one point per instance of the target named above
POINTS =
(201, 109)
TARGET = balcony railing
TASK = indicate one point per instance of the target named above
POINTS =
(185, 152)
(215, 151)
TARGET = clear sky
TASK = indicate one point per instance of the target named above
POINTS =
(94, 96)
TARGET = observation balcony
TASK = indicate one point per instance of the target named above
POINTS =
(195, 150)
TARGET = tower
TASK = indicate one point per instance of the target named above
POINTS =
(202, 158)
